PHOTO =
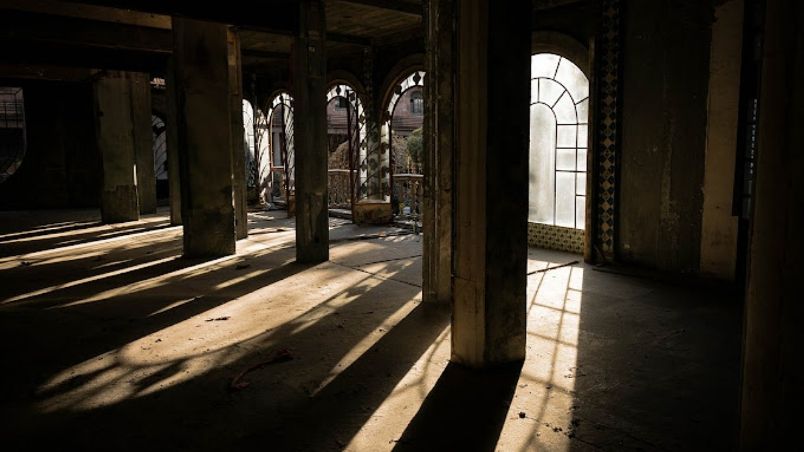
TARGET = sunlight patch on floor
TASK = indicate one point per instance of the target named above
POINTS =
(387, 423)
(211, 340)
(545, 390)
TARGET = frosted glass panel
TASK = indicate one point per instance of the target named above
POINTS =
(580, 211)
(543, 65)
(573, 78)
(534, 91)
(583, 111)
(549, 91)
(583, 136)
(565, 159)
(580, 187)
(567, 136)
(565, 110)
(542, 164)
(565, 199)
(582, 159)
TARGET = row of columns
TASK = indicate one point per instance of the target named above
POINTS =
(206, 157)
(476, 198)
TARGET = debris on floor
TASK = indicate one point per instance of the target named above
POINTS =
(218, 319)
(555, 267)
(238, 383)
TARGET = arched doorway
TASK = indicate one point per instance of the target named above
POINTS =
(159, 144)
(256, 141)
(401, 138)
(559, 137)
(281, 187)
(346, 133)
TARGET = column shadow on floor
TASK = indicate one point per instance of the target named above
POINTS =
(465, 410)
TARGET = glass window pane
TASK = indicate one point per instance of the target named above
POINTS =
(567, 136)
(580, 186)
(573, 79)
(565, 111)
(582, 159)
(543, 65)
(583, 136)
(583, 111)
(549, 91)
(542, 164)
(534, 91)
(565, 199)
(565, 159)
(580, 212)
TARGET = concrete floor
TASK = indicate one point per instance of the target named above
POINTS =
(111, 341)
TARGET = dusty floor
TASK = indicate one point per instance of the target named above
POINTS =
(111, 341)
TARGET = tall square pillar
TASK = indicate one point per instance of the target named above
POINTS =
(203, 109)
(310, 135)
(114, 135)
(490, 209)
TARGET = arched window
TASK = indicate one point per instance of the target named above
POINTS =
(12, 131)
(400, 136)
(346, 133)
(559, 113)
(160, 147)
(248, 126)
(280, 123)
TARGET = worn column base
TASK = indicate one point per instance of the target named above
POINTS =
(209, 233)
(120, 205)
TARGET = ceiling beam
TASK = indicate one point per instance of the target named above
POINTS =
(44, 72)
(412, 9)
(93, 12)
(272, 15)
(76, 56)
(265, 54)
(55, 30)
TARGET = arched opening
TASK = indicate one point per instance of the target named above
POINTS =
(159, 144)
(256, 138)
(280, 188)
(12, 131)
(346, 137)
(401, 138)
(559, 130)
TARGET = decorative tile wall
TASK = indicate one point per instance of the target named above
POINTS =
(608, 71)
(555, 237)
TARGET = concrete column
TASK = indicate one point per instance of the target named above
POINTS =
(439, 132)
(773, 387)
(203, 109)
(310, 132)
(491, 182)
(172, 146)
(113, 127)
(143, 140)
(238, 145)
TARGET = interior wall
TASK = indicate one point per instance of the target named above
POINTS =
(719, 227)
(61, 164)
(665, 82)
(773, 372)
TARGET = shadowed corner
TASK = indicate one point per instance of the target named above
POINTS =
(465, 410)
